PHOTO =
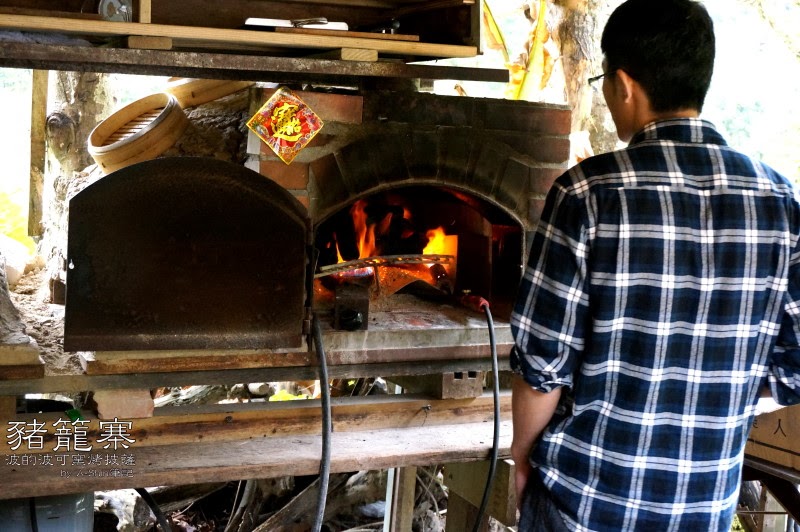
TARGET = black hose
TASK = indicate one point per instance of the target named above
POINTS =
(325, 461)
(496, 439)
(32, 514)
(151, 502)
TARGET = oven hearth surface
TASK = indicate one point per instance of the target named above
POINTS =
(403, 327)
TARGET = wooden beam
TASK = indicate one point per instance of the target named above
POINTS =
(255, 458)
(39, 90)
(209, 65)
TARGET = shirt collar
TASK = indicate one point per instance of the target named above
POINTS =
(685, 130)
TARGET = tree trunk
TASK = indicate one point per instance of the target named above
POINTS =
(79, 101)
(579, 33)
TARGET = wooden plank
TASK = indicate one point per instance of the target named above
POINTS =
(219, 37)
(245, 421)
(39, 90)
(17, 349)
(360, 34)
(255, 458)
(122, 362)
(144, 42)
(401, 509)
(450, 340)
(12, 372)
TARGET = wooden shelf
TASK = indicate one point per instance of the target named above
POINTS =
(82, 383)
(183, 43)
(188, 36)
(193, 463)
(213, 65)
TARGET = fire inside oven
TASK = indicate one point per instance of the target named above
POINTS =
(436, 243)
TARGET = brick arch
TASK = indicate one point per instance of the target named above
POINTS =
(505, 152)
(460, 159)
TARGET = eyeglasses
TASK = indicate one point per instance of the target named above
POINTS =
(593, 79)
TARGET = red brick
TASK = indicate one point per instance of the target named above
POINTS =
(290, 176)
(535, 208)
(302, 198)
(124, 404)
(542, 179)
(330, 107)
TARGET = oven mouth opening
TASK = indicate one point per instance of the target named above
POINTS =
(425, 243)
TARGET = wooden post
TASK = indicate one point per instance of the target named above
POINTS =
(468, 481)
(461, 515)
(8, 407)
(400, 499)
(143, 11)
(38, 134)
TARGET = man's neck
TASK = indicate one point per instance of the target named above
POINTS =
(649, 116)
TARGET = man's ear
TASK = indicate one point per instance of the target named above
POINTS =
(625, 85)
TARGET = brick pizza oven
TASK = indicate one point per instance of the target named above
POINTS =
(218, 244)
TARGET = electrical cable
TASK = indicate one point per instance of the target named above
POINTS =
(151, 502)
(496, 438)
(325, 461)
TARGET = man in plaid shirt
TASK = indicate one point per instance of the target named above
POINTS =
(661, 296)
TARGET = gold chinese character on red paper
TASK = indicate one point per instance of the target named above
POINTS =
(286, 124)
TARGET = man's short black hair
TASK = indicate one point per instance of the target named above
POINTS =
(665, 45)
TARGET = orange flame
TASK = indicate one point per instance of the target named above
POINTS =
(365, 234)
(439, 243)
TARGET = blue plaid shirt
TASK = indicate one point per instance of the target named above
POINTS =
(663, 289)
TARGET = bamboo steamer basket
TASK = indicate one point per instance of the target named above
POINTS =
(138, 132)
(191, 92)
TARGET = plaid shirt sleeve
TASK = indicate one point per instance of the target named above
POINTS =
(784, 374)
(550, 316)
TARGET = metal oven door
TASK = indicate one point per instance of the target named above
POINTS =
(186, 253)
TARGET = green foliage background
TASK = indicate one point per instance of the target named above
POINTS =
(15, 110)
